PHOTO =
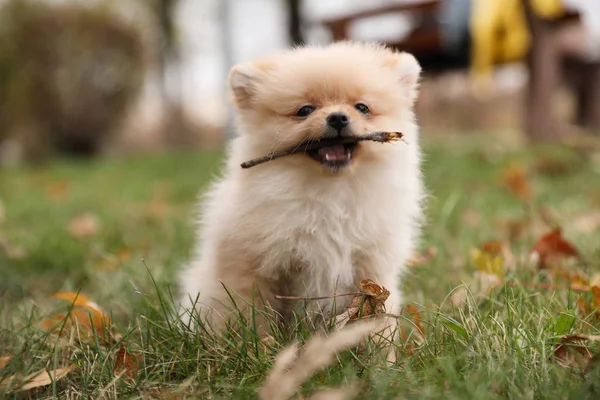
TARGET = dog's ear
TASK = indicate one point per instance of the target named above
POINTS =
(244, 80)
(408, 71)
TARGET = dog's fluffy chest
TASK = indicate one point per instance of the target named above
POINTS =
(314, 234)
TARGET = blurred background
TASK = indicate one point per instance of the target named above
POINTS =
(114, 113)
(114, 116)
(87, 77)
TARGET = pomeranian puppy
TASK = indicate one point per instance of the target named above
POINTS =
(311, 224)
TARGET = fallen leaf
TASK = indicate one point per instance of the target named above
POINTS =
(370, 302)
(37, 379)
(419, 259)
(570, 351)
(122, 255)
(585, 308)
(416, 316)
(127, 363)
(57, 191)
(4, 361)
(85, 315)
(488, 259)
(516, 181)
(84, 226)
(552, 248)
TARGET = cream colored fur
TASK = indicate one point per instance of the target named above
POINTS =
(290, 226)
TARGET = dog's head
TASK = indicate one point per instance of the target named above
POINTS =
(314, 93)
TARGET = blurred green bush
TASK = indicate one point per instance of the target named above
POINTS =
(68, 74)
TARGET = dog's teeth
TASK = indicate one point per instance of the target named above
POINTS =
(326, 157)
(347, 156)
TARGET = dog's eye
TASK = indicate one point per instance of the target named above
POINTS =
(362, 108)
(305, 111)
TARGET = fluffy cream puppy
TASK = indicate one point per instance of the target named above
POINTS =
(318, 223)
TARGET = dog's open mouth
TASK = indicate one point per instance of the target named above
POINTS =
(333, 155)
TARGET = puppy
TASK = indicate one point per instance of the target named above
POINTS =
(318, 223)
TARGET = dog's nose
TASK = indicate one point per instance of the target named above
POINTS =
(337, 120)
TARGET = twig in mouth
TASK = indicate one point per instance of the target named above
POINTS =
(380, 137)
(317, 298)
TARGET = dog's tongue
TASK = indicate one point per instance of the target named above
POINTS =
(333, 153)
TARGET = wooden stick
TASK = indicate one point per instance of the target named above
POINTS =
(317, 298)
(380, 137)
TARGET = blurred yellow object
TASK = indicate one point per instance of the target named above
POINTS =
(500, 34)
(548, 9)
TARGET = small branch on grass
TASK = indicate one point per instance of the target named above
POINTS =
(380, 137)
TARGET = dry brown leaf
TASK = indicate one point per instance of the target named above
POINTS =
(127, 363)
(570, 351)
(37, 379)
(515, 179)
(84, 226)
(370, 302)
(4, 361)
(552, 248)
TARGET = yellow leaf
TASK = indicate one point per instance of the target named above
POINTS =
(485, 262)
(37, 379)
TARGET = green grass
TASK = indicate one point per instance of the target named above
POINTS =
(496, 346)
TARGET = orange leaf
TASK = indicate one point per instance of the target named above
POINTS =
(516, 181)
(417, 317)
(596, 294)
(77, 299)
(552, 247)
(492, 247)
(127, 363)
(85, 314)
